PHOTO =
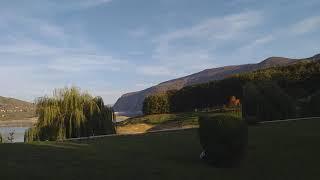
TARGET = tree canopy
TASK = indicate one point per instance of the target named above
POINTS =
(70, 113)
(294, 82)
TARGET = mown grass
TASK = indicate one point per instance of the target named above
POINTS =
(284, 151)
(155, 119)
(164, 121)
(187, 118)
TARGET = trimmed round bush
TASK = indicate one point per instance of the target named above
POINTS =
(224, 139)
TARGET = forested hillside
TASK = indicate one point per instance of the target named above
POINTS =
(299, 81)
(133, 102)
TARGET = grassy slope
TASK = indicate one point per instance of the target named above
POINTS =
(160, 121)
(11, 103)
(285, 151)
(156, 119)
(157, 122)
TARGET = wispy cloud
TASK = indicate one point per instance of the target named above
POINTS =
(138, 32)
(155, 70)
(306, 25)
(87, 3)
(85, 42)
(258, 42)
(39, 55)
(190, 49)
(85, 63)
(224, 27)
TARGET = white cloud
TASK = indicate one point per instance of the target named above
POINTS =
(51, 30)
(87, 3)
(155, 70)
(190, 49)
(239, 2)
(138, 32)
(306, 25)
(42, 56)
(136, 53)
(85, 63)
(26, 47)
(258, 42)
(27, 26)
(225, 27)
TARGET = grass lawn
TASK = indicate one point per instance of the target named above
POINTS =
(156, 122)
(156, 119)
(284, 151)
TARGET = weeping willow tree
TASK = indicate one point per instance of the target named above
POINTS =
(69, 113)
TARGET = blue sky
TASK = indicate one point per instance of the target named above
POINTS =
(110, 47)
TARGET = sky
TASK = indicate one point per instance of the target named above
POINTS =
(112, 47)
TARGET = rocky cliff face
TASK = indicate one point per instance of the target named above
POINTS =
(132, 102)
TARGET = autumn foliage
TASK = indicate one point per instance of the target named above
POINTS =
(234, 102)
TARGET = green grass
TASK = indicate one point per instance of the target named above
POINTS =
(187, 118)
(284, 151)
(155, 119)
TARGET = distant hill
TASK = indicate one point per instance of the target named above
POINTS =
(4, 101)
(131, 103)
(14, 109)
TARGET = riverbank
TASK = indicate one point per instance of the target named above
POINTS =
(27, 122)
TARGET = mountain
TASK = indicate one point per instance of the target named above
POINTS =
(131, 103)
(14, 109)
(4, 101)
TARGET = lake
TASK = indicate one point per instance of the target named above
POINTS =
(18, 133)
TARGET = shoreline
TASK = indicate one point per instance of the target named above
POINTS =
(27, 122)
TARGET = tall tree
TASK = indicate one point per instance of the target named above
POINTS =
(70, 113)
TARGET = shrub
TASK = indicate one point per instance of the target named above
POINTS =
(312, 106)
(224, 139)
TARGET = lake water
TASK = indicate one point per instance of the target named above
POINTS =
(18, 133)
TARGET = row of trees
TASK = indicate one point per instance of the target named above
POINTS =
(69, 113)
(266, 101)
(310, 106)
(158, 104)
(291, 85)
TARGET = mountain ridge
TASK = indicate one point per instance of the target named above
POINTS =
(9, 100)
(131, 103)
(15, 109)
